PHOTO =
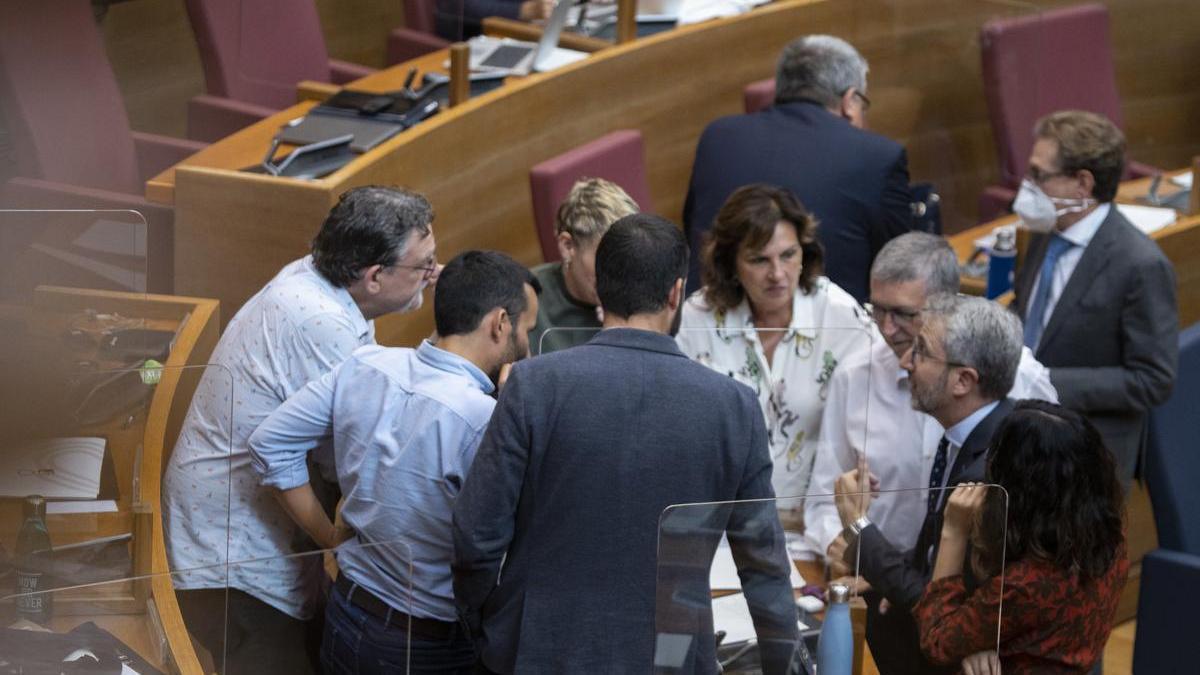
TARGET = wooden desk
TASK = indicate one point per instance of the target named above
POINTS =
(142, 613)
(235, 230)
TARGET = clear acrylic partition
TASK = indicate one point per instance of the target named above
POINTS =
(92, 406)
(103, 250)
(169, 630)
(734, 587)
(807, 372)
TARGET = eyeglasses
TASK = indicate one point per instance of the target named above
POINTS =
(920, 352)
(899, 315)
(429, 269)
(1038, 176)
(866, 102)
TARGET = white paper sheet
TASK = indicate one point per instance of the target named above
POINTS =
(723, 575)
(1148, 218)
(84, 506)
(56, 468)
(1183, 180)
(732, 615)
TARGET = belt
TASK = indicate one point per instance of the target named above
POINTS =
(373, 605)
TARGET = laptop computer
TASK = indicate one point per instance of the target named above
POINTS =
(519, 58)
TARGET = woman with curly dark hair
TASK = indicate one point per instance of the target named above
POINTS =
(768, 318)
(1049, 547)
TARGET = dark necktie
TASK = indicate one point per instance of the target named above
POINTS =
(938, 473)
(1035, 319)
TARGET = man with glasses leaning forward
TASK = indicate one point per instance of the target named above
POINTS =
(961, 366)
(878, 422)
(374, 254)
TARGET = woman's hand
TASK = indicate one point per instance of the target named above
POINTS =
(961, 508)
(982, 663)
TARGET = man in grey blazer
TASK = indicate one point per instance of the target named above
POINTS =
(557, 528)
(1097, 295)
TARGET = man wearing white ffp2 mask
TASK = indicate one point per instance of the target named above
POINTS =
(1040, 212)
(1097, 295)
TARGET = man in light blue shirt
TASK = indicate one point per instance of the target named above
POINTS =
(405, 425)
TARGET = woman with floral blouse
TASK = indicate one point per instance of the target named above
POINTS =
(1052, 559)
(768, 319)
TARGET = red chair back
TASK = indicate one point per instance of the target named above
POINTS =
(618, 157)
(257, 50)
(60, 100)
(758, 95)
(418, 15)
(1037, 64)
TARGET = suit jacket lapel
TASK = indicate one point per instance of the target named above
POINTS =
(1091, 264)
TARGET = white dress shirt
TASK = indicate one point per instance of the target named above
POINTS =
(1080, 234)
(869, 412)
(405, 425)
(297, 328)
(826, 325)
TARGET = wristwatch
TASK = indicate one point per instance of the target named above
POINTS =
(858, 526)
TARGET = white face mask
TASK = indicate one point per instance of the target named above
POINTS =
(1039, 211)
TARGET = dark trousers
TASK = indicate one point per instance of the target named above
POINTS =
(248, 635)
(357, 642)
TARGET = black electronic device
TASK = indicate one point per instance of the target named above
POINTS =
(313, 160)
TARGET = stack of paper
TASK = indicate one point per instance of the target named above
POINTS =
(1148, 219)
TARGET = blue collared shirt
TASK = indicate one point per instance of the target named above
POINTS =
(405, 426)
(958, 434)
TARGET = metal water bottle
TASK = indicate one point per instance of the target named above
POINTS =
(1002, 261)
(32, 555)
(835, 646)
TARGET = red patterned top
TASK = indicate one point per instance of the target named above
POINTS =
(1051, 622)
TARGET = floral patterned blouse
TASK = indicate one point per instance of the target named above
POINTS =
(1050, 621)
(827, 324)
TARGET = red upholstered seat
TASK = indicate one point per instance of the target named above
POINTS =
(253, 55)
(758, 95)
(418, 36)
(72, 145)
(618, 157)
(1034, 65)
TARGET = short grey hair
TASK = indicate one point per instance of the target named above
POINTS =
(983, 335)
(918, 256)
(819, 68)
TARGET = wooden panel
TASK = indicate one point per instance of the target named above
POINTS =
(194, 342)
(473, 161)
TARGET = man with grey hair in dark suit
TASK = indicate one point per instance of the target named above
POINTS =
(586, 449)
(814, 142)
(1097, 296)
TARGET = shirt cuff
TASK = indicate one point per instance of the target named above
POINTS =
(285, 477)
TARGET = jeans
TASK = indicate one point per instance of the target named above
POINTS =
(357, 642)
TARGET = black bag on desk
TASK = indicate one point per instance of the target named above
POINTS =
(40, 653)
